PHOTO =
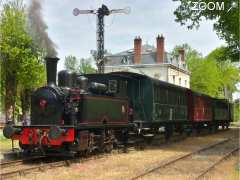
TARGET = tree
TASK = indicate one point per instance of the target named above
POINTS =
(20, 65)
(82, 66)
(85, 66)
(189, 52)
(205, 77)
(230, 75)
(71, 63)
(213, 75)
(11, 42)
(226, 22)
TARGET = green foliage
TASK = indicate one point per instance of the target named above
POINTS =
(229, 74)
(205, 77)
(226, 23)
(85, 66)
(213, 74)
(18, 57)
(82, 66)
(16, 45)
(190, 53)
(71, 63)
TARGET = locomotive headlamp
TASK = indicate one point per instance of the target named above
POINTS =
(55, 132)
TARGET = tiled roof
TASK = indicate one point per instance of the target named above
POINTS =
(148, 57)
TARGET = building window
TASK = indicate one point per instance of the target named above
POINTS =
(173, 78)
(185, 83)
(180, 81)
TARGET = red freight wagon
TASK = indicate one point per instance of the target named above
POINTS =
(199, 107)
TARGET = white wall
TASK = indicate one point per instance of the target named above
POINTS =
(162, 72)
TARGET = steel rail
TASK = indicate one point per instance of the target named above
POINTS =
(20, 161)
(30, 169)
(50, 165)
(217, 162)
(171, 161)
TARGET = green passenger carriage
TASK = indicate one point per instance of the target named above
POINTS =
(155, 103)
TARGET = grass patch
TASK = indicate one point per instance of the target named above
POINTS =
(6, 144)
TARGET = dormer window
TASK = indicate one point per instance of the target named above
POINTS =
(124, 60)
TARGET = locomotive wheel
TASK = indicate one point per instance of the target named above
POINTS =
(108, 148)
(216, 127)
(140, 146)
(168, 132)
(189, 132)
(211, 129)
(180, 129)
(198, 129)
(23, 146)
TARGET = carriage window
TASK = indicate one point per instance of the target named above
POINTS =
(122, 86)
(112, 86)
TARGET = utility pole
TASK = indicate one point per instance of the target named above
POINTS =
(100, 14)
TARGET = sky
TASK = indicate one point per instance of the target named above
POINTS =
(77, 35)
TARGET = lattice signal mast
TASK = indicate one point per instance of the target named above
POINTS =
(100, 13)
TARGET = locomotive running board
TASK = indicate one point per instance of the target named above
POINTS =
(103, 126)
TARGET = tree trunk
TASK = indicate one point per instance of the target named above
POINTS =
(10, 97)
(25, 103)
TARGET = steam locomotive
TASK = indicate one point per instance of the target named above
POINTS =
(97, 111)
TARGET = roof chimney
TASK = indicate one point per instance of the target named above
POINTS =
(160, 49)
(181, 53)
(137, 50)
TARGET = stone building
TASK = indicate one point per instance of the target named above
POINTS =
(152, 61)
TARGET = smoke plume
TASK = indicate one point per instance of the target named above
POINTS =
(38, 28)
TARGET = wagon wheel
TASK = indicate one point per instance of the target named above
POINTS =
(168, 132)
(108, 148)
(140, 145)
(216, 127)
(211, 129)
(227, 126)
(223, 126)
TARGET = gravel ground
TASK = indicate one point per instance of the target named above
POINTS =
(228, 169)
(126, 166)
(192, 166)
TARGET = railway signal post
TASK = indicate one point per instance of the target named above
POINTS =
(100, 14)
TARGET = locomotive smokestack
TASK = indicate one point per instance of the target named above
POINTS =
(51, 66)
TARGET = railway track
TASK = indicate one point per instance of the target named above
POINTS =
(40, 165)
(203, 173)
(5, 164)
(189, 157)
(26, 166)
(32, 168)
